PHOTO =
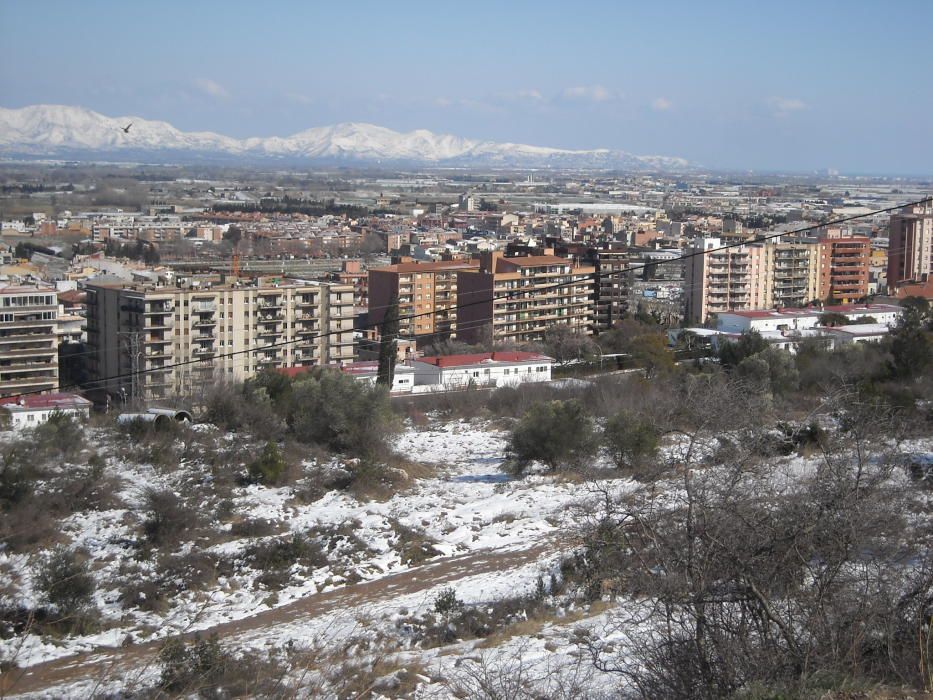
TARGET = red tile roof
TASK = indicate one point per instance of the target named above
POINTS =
(37, 402)
(477, 358)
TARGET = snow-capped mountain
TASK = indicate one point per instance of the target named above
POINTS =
(74, 132)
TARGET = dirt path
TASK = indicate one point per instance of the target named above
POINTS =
(111, 662)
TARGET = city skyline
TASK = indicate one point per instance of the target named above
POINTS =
(796, 88)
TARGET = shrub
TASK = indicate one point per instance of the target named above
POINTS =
(61, 435)
(270, 465)
(749, 343)
(446, 602)
(558, 433)
(630, 439)
(200, 665)
(276, 557)
(65, 581)
(342, 414)
(167, 516)
(414, 546)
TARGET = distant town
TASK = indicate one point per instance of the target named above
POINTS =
(144, 283)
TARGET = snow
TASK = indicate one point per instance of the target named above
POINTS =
(46, 129)
(497, 537)
(468, 506)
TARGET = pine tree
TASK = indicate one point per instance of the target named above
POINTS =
(388, 344)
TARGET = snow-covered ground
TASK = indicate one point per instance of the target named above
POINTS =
(492, 538)
(466, 506)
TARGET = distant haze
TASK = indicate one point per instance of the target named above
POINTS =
(789, 86)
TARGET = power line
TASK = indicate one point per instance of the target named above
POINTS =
(491, 300)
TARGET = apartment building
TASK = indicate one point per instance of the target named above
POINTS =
(612, 286)
(152, 341)
(427, 296)
(520, 298)
(28, 339)
(910, 245)
(844, 268)
(796, 274)
(733, 279)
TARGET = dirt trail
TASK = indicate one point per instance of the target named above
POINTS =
(111, 662)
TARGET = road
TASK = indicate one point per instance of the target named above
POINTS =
(108, 663)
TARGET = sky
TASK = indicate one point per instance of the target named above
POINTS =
(780, 86)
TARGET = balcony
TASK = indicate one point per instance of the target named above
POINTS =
(204, 323)
(160, 308)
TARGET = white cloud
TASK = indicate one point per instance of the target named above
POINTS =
(299, 98)
(212, 88)
(783, 106)
(533, 95)
(590, 93)
(661, 104)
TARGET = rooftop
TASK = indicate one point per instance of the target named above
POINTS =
(38, 402)
(486, 358)
(436, 266)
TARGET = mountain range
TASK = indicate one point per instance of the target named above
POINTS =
(59, 131)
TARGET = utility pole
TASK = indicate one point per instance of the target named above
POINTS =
(133, 346)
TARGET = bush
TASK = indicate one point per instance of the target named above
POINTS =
(339, 412)
(60, 435)
(65, 581)
(630, 439)
(167, 517)
(772, 369)
(749, 343)
(446, 602)
(558, 433)
(270, 465)
(276, 557)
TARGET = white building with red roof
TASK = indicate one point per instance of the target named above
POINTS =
(34, 409)
(450, 372)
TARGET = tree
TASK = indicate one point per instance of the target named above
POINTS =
(832, 319)
(630, 439)
(372, 244)
(388, 344)
(731, 353)
(911, 349)
(558, 433)
(337, 411)
(65, 581)
(233, 234)
(651, 352)
(771, 369)
(765, 578)
(270, 465)
(566, 345)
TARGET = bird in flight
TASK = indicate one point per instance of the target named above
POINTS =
(126, 129)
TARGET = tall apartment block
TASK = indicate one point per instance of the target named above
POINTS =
(844, 264)
(727, 280)
(910, 245)
(796, 274)
(156, 341)
(535, 301)
(613, 281)
(28, 339)
(427, 291)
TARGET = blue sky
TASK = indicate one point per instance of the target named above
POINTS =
(781, 85)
